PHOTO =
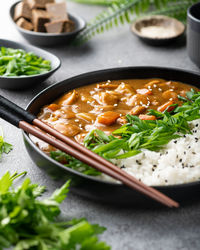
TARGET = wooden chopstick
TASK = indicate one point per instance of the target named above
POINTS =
(21, 118)
(83, 154)
(98, 158)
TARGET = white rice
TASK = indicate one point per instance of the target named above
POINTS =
(178, 162)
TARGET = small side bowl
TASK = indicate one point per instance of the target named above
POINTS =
(24, 82)
(158, 21)
(48, 39)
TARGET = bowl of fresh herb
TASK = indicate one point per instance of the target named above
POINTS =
(136, 138)
(22, 66)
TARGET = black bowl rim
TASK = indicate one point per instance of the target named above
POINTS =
(39, 50)
(155, 39)
(190, 15)
(79, 19)
(93, 178)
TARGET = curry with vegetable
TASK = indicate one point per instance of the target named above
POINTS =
(105, 105)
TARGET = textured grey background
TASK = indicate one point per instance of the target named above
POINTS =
(127, 228)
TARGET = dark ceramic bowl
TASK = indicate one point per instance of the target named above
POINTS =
(48, 39)
(159, 21)
(193, 33)
(89, 186)
(23, 82)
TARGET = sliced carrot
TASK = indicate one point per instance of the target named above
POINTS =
(137, 110)
(108, 118)
(144, 91)
(165, 106)
(147, 117)
(53, 107)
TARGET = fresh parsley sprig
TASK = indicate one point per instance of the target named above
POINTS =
(4, 146)
(29, 223)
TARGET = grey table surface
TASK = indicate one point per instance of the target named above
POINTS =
(127, 228)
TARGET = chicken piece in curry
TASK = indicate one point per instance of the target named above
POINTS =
(105, 105)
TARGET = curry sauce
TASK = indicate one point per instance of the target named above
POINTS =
(105, 105)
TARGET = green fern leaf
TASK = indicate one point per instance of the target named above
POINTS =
(126, 15)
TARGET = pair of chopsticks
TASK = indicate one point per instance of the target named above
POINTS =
(30, 124)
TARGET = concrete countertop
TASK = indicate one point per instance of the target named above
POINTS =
(127, 228)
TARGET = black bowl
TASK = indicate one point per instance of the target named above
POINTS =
(48, 39)
(193, 33)
(23, 82)
(90, 186)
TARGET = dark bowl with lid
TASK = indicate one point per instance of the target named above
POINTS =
(89, 186)
(193, 33)
(50, 39)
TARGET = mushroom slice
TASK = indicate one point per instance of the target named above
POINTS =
(107, 86)
(106, 98)
(137, 110)
(125, 88)
(63, 113)
(80, 137)
(88, 117)
(67, 129)
(69, 98)
(122, 120)
(138, 100)
(170, 94)
(152, 84)
(103, 108)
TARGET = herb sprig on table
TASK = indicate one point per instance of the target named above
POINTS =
(30, 223)
(4, 146)
(139, 134)
(17, 62)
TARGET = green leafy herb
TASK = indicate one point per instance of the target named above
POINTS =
(73, 163)
(140, 134)
(29, 223)
(4, 146)
(17, 62)
(119, 12)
